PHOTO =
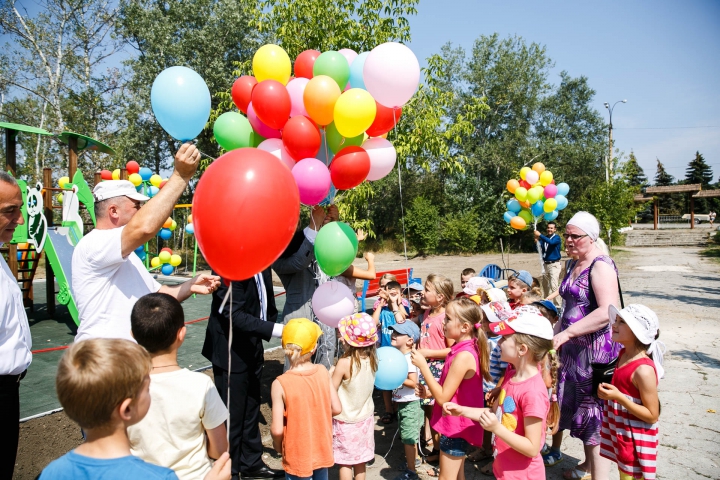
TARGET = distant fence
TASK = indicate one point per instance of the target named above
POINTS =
(671, 219)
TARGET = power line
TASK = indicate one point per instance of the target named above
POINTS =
(662, 128)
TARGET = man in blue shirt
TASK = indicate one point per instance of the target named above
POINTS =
(550, 247)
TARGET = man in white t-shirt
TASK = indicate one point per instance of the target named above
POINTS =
(108, 277)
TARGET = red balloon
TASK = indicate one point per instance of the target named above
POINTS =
(242, 91)
(106, 174)
(166, 249)
(132, 167)
(240, 185)
(301, 138)
(162, 184)
(384, 121)
(271, 102)
(349, 168)
(525, 184)
(304, 63)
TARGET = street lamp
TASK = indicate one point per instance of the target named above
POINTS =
(609, 158)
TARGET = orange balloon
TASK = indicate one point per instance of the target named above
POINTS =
(525, 204)
(320, 95)
(168, 223)
(512, 185)
(518, 223)
(539, 168)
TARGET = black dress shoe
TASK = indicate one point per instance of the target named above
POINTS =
(263, 472)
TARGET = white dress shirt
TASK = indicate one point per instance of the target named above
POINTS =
(15, 340)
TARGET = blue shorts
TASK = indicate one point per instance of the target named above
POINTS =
(319, 474)
(455, 447)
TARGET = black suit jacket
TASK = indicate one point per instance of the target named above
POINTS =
(248, 329)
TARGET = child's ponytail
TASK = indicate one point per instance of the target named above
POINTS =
(553, 418)
(468, 311)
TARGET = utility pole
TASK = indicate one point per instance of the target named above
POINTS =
(608, 163)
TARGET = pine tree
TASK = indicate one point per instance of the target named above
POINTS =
(699, 172)
(664, 179)
(634, 173)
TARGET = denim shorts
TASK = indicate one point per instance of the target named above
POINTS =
(319, 474)
(455, 447)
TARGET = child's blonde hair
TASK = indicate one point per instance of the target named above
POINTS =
(529, 298)
(533, 289)
(356, 354)
(387, 276)
(294, 355)
(469, 312)
(443, 286)
(539, 348)
(95, 376)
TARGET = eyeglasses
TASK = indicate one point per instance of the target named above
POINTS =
(573, 236)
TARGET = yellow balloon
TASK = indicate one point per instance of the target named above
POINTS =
(354, 112)
(524, 171)
(135, 179)
(62, 181)
(190, 218)
(175, 260)
(271, 62)
(155, 180)
(116, 174)
(546, 178)
(550, 205)
(164, 257)
(155, 262)
(173, 226)
(321, 94)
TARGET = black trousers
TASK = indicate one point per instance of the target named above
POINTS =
(9, 424)
(246, 446)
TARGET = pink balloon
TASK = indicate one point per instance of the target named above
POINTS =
(313, 180)
(331, 302)
(296, 88)
(382, 157)
(391, 74)
(275, 146)
(550, 191)
(349, 54)
(532, 177)
(258, 125)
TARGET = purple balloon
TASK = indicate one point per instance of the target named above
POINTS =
(349, 54)
(313, 180)
(258, 125)
(550, 191)
(391, 74)
(331, 302)
(276, 147)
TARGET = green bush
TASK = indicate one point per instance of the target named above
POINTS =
(460, 232)
(423, 229)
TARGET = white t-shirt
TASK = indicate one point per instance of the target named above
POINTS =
(183, 404)
(106, 285)
(15, 339)
(405, 394)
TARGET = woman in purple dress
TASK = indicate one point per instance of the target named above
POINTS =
(588, 289)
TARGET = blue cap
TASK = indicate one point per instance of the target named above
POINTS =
(408, 328)
(524, 276)
(549, 305)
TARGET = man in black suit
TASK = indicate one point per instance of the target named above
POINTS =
(254, 317)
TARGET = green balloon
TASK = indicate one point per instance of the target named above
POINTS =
(337, 142)
(526, 215)
(335, 248)
(335, 66)
(232, 131)
(257, 139)
(534, 194)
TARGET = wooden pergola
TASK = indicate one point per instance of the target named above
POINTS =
(692, 190)
(707, 194)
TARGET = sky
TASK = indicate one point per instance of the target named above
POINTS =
(662, 56)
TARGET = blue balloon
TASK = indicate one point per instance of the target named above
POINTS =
(189, 229)
(563, 189)
(561, 202)
(507, 216)
(537, 208)
(19, 255)
(142, 256)
(392, 368)
(152, 191)
(165, 233)
(356, 71)
(551, 216)
(145, 173)
(513, 205)
(330, 196)
(140, 250)
(167, 269)
(180, 100)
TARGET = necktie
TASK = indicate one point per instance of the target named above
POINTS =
(260, 283)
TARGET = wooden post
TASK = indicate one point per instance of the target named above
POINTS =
(49, 275)
(10, 151)
(123, 174)
(12, 259)
(98, 179)
(692, 210)
(72, 156)
(655, 213)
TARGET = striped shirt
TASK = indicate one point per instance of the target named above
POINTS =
(497, 366)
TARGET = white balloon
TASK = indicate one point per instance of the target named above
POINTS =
(296, 90)
(276, 147)
(331, 302)
(391, 74)
(382, 157)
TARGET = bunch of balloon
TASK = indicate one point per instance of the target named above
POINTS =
(144, 180)
(536, 196)
(166, 261)
(326, 124)
(168, 227)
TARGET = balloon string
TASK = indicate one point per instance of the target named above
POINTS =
(539, 250)
(402, 209)
(327, 160)
(229, 370)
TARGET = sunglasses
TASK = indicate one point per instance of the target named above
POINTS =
(573, 237)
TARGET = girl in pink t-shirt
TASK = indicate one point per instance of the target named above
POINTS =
(522, 407)
(466, 365)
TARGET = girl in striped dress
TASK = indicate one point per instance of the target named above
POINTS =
(629, 434)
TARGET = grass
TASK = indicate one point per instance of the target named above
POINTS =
(712, 253)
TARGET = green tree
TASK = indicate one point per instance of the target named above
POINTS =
(633, 172)
(422, 223)
(666, 204)
(698, 171)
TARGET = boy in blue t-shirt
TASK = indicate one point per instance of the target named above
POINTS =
(104, 385)
(389, 311)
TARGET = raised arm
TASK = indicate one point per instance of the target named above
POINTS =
(462, 364)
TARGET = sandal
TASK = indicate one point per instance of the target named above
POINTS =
(552, 458)
(388, 418)
(479, 455)
(433, 472)
(487, 469)
(576, 474)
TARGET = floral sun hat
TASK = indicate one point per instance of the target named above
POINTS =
(358, 330)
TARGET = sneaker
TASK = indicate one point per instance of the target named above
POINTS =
(407, 475)
(545, 450)
(552, 458)
(404, 466)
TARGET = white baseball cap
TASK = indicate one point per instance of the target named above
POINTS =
(528, 322)
(472, 285)
(117, 188)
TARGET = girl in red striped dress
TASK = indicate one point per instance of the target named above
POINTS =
(629, 435)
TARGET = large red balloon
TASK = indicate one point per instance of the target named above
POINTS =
(106, 174)
(242, 91)
(349, 168)
(271, 102)
(385, 120)
(304, 63)
(301, 138)
(236, 189)
(132, 167)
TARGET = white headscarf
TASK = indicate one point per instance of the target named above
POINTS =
(587, 223)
